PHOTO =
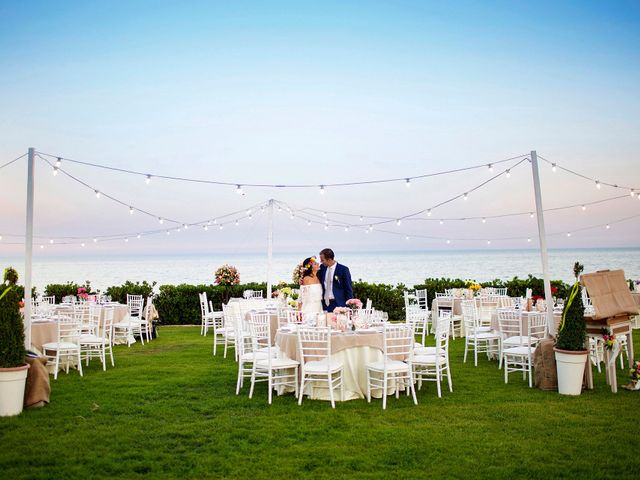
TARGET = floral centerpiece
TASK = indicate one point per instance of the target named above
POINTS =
(227, 275)
(354, 304)
(82, 293)
(608, 338)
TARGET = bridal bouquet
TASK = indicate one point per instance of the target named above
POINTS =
(227, 275)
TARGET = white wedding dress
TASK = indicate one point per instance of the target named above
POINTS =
(311, 298)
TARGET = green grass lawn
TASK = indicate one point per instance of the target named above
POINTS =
(168, 410)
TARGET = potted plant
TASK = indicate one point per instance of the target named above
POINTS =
(13, 368)
(570, 350)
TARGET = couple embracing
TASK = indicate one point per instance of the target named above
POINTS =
(325, 285)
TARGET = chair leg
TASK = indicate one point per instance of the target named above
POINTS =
(240, 375)
(270, 385)
(385, 381)
(330, 381)
(301, 389)
(368, 386)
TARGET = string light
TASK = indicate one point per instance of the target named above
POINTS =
(531, 215)
(408, 183)
(429, 213)
(488, 242)
(237, 223)
(321, 189)
(528, 240)
(55, 171)
(346, 229)
(490, 167)
(466, 196)
(185, 226)
(553, 167)
(632, 192)
(51, 241)
(484, 220)
(407, 237)
(205, 227)
(239, 190)
(398, 222)
(147, 180)
(608, 226)
(507, 173)
(131, 210)
(361, 218)
(568, 234)
(441, 222)
(598, 184)
(97, 193)
(309, 223)
(126, 240)
(160, 220)
(584, 208)
(326, 227)
(95, 240)
(221, 227)
(139, 236)
(448, 242)
(58, 162)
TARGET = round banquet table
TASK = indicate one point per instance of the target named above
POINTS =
(354, 349)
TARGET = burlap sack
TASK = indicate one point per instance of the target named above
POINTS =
(544, 364)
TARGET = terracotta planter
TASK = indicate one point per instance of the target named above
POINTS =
(570, 365)
(12, 381)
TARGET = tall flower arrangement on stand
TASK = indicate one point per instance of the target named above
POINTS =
(226, 276)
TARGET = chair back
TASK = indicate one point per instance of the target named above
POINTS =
(422, 298)
(51, 300)
(510, 322)
(442, 335)
(398, 340)
(107, 324)
(231, 318)
(204, 307)
(537, 327)
(294, 316)
(69, 329)
(134, 304)
(259, 330)
(470, 316)
(314, 344)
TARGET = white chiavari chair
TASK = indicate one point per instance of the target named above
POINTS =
(478, 338)
(66, 348)
(435, 365)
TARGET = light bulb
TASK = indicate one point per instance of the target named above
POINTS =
(429, 213)
(531, 215)
(321, 189)
(584, 208)
(407, 237)
(239, 190)
(237, 223)
(324, 214)
(346, 229)
(484, 220)
(448, 242)
(95, 240)
(528, 240)
(598, 186)
(185, 226)
(408, 182)
(371, 228)
(168, 232)
(205, 227)
(58, 162)
(488, 242)
(97, 194)
(55, 171)
(82, 244)
(326, 227)
(147, 180)
(608, 226)
(221, 227)
(138, 236)
(632, 192)
(441, 222)
(51, 241)
(508, 173)
(361, 219)
(398, 222)
(160, 220)
(309, 222)
(490, 167)
(553, 167)
(131, 210)
(568, 234)
(126, 239)
(466, 196)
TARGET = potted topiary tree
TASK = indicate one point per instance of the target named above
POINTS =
(13, 368)
(570, 350)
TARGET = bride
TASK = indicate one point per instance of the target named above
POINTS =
(310, 287)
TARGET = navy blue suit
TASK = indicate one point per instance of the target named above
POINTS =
(342, 288)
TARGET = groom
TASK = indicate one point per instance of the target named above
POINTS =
(335, 280)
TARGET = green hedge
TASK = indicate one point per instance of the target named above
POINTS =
(119, 293)
(60, 290)
(179, 305)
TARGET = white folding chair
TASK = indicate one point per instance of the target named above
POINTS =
(396, 365)
(314, 349)
(99, 343)
(479, 338)
(205, 314)
(433, 366)
(277, 372)
(519, 358)
(66, 347)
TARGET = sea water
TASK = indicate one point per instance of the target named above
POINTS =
(409, 268)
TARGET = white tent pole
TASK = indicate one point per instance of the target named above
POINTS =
(269, 247)
(28, 250)
(543, 240)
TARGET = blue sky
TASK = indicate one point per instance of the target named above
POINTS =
(279, 92)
